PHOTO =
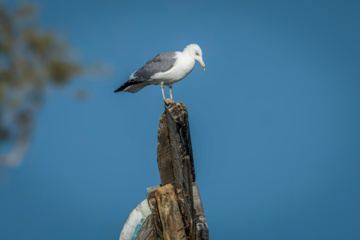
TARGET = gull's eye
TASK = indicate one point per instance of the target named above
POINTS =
(197, 54)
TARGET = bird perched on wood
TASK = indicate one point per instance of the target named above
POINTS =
(164, 69)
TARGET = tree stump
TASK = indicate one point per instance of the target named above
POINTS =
(176, 208)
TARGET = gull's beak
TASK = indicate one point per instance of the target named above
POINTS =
(202, 63)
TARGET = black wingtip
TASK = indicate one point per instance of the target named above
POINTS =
(125, 85)
(120, 88)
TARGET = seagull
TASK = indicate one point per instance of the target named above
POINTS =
(164, 69)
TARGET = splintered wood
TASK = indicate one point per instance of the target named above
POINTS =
(175, 159)
(174, 141)
(147, 231)
(176, 167)
(171, 219)
(177, 211)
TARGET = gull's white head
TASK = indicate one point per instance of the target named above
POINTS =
(195, 52)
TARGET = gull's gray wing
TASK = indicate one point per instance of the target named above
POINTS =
(160, 63)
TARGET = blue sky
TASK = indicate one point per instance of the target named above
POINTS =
(274, 121)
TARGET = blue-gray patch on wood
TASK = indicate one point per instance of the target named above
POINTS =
(135, 221)
(138, 228)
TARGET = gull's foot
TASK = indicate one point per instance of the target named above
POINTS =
(168, 101)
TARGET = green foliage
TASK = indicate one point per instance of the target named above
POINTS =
(29, 55)
(31, 59)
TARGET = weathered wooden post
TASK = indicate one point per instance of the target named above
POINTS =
(172, 210)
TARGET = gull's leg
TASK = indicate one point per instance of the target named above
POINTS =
(170, 91)
(162, 89)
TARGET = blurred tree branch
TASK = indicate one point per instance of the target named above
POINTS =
(30, 61)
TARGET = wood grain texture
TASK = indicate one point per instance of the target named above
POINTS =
(147, 231)
(170, 215)
(202, 229)
(175, 205)
(164, 155)
(174, 120)
(150, 195)
(175, 159)
(150, 191)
